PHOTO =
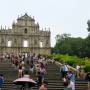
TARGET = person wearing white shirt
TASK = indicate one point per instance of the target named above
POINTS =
(71, 85)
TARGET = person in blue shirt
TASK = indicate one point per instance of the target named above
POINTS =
(71, 76)
(1, 81)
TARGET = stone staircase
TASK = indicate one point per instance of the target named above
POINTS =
(10, 74)
(52, 77)
(55, 82)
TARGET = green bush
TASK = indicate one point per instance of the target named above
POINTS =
(71, 60)
(49, 56)
(87, 68)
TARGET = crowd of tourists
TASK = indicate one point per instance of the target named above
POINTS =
(69, 76)
(38, 64)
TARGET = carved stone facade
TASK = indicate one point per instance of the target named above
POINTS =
(25, 36)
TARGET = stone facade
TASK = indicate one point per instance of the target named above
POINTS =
(24, 37)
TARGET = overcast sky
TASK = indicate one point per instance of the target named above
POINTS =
(62, 16)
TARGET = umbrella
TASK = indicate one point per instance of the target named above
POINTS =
(25, 82)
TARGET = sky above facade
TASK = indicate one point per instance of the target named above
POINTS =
(61, 16)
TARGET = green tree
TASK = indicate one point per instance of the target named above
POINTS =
(87, 46)
(69, 45)
(65, 44)
(88, 23)
(60, 46)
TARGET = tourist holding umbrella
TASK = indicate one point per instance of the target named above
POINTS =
(25, 81)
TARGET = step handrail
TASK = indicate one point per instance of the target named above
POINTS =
(60, 64)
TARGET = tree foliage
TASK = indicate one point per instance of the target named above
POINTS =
(88, 23)
(65, 44)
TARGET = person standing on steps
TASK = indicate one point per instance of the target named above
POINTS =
(64, 70)
(61, 71)
(71, 85)
(1, 80)
(43, 86)
(88, 79)
(78, 70)
(66, 85)
(39, 79)
(65, 82)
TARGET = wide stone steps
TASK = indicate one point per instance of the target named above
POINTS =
(52, 77)
(10, 86)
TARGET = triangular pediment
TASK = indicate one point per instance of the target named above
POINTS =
(25, 17)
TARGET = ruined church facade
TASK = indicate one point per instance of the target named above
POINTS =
(24, 37)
